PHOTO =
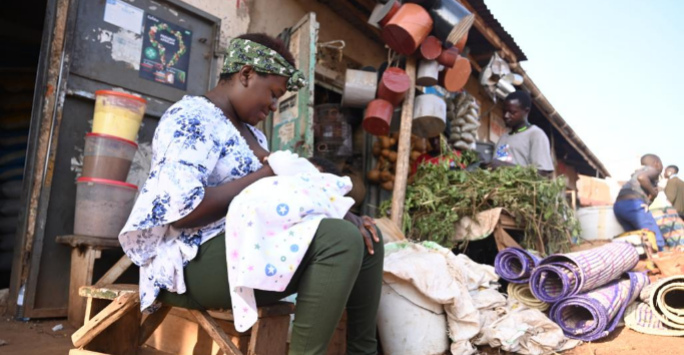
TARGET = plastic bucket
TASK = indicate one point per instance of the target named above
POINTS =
(102, 206)
(598, 222)
(118, 114)
(409, 323)
(107, 157)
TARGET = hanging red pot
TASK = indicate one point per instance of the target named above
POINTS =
(394, 85)
(431, 48)
(407, 29)
(378, 117)
(454, 79)
(448, 57)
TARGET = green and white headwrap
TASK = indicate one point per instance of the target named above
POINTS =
(264, 60)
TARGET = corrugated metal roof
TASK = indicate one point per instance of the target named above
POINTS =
(483, 11)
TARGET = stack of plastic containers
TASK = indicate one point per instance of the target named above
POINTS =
(103, 198)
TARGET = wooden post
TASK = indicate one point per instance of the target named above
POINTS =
(402, 169)
(82, 263)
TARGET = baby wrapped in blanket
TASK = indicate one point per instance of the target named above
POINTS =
(270, 225)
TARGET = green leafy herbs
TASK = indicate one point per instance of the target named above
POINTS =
(440, 197)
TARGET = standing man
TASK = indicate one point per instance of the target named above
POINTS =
(525, 144)
(631, 205)
(674, 190)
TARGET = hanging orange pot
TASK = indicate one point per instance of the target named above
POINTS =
(407, 29)
(454, 79)
(394, 85)
(378, 117)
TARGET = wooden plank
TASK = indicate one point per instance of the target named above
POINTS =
(84, 352)
(77, 241)
(121, 337)
(215, 332)
(115, 271)
(113, 312)
(151, 323)
(107, 292)
(269, 336)
(81, 274)
(402, 168)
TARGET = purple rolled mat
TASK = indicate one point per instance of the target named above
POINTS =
(515, 265)
(593, 315)
(563, 275)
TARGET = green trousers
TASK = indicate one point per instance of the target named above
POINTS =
(337, 272)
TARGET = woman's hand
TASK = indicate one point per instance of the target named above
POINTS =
(367, 227)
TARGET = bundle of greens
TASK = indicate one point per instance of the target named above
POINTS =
(440, 197)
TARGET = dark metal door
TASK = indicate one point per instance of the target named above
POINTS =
(102, 47)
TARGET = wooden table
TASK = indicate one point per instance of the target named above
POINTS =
(85, 250)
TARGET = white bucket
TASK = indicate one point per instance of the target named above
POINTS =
(410, 323)
(598, 222)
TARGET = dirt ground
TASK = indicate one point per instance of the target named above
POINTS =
(37, 338)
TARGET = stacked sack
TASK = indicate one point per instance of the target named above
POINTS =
(463, 114)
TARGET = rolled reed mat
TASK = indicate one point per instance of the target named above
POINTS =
(407, 29)
(593, 315)
(515, 265)
(563, 275)
(523, 294)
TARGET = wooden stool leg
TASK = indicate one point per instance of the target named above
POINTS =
(82, 263)
(269, 336)
(116, 310)
(216, 332)
(151, 323)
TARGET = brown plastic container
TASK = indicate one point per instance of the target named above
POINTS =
(107, 157)
(407, 29)
(102, 206)
(378, 117)
(394, 85)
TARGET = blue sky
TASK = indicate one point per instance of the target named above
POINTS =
(611, 68)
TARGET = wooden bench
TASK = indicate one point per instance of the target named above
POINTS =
(85, 250)
(114, 325)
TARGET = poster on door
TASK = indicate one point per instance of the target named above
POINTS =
(166, 52)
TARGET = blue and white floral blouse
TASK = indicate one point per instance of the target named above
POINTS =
(195, 146)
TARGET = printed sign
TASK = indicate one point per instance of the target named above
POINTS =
(122, 14)
(166, 53)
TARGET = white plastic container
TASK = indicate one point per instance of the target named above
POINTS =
(409, 323)
(598, 223)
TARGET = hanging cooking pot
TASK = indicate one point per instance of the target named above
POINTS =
(448, 57)
(378, 117)
(454, 79)
(428, 73)
(382, 13)
(394, 85)
(407, 29)
(429, 116)
(431, 48)
(359, 87)
(452, 21)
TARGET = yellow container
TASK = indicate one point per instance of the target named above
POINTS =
(118, 114)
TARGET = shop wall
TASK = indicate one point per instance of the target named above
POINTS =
(272, 17)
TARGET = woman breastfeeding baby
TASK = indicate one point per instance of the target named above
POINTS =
(285, 231)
